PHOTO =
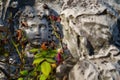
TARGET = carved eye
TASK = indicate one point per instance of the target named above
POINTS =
(31, 28)
(42, 27)
(33, 25)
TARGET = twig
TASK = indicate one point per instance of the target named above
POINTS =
(16, 47)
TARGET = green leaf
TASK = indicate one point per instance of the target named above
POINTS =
(39, 68)
(38, 55)
(20, 79)
(50, 60)
(51, 55)
(46, 68)
(53, 51)
(38, 60)
(24, 72)
(43, 77)
(43, 52)
(33, 73)
(33, 50)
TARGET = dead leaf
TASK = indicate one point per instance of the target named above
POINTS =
(44, 46)
(24, 23)
(19, 34)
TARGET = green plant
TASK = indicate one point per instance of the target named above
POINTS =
(42, 64)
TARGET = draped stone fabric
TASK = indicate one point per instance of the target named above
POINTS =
(90, 19)
(91, 30)
(98, 70)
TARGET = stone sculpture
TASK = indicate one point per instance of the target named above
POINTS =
(39, 27)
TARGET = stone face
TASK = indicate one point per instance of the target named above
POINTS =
(89, 25)
(91, 31)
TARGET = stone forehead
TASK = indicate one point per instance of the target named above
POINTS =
(28, 8)
(36, 21)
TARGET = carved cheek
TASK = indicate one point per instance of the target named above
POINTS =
(43, 31)
(30, 33)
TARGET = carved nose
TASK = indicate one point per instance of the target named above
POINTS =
(37, 31)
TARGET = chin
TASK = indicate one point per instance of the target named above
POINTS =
(35, 44)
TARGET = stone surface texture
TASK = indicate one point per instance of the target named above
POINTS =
(91, 31)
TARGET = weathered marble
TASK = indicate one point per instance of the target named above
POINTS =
(95, 70)
(89, 26)
(91, 31)
(92, 34)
